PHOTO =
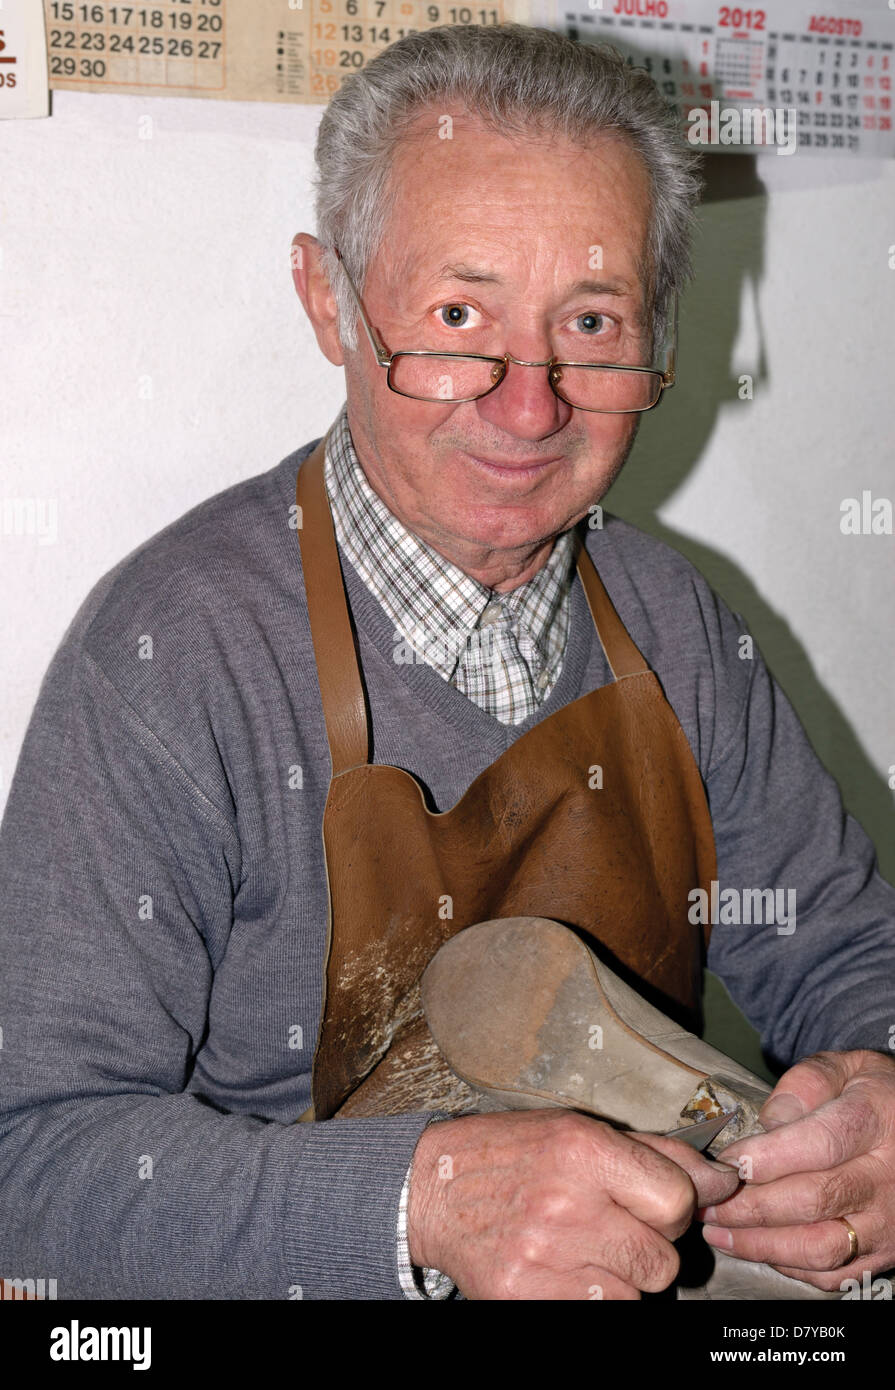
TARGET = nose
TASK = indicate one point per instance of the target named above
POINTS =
(524, 404)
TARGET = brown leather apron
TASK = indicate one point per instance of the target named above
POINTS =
(534, 835)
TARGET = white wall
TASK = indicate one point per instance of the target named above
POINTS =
(129, 261)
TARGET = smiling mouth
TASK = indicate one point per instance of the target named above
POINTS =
(520, 467)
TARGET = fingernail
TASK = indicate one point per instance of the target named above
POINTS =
(711, 1214)
(781, 1110)
(718, 1235)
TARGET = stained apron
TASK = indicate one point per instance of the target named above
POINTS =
(595, 817)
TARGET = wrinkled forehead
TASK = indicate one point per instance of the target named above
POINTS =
(458, 181)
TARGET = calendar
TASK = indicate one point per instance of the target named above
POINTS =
(263, 50)
(788, 73)
(820, 75)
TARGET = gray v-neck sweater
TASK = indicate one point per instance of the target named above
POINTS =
(163, 902)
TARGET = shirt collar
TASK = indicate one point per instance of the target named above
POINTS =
(416, 585)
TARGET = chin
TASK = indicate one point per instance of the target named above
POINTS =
(507, 532)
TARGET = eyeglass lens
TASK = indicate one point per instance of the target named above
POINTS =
(457, 378)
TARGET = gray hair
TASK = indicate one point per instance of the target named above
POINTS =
(517, 79)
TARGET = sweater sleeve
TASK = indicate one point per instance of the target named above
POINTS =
(821, 975)
(117, 1178)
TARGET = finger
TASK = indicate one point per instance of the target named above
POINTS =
(602, 1234)
(602, 1284)
(653, 1188)
(839, 1130)
(804, 1087)
(633, 1251)
(829, 1282)
(822, 1247)
(588, 1282)
(714, 1182)
(799, 1199)
(808, 1085)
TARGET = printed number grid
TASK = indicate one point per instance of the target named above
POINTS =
(296, 52)
(841, 87)
(166, 44)
(346, 34)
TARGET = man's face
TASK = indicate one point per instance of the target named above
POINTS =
(485, 251)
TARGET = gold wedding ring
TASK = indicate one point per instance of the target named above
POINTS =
(852, 1240)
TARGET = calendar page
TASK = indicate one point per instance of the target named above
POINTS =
(264, 50)
(787, 74)
(821, 76)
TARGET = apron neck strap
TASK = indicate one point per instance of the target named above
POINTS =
(332, 633)
(623, 656)
(338, 672)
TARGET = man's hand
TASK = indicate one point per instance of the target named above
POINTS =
(549, 1204)
(830, 1153)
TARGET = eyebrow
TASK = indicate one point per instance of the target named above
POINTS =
(469, 274)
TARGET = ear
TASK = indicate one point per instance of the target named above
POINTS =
(313, 289)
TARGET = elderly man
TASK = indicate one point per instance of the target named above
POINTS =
(301, 739)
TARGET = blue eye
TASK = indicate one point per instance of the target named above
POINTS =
(590, 321)
(454, 314)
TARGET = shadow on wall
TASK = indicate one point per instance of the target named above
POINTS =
(660, 463)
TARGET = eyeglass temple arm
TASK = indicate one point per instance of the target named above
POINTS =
(382, 357)
(669, 374)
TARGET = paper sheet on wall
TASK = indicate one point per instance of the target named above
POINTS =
(247, 50)
(24, 90)
(831, 65)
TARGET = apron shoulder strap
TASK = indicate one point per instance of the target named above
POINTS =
(623, 656)
(338, 670)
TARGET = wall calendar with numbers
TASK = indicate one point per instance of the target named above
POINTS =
(247, 50)
(832, 66)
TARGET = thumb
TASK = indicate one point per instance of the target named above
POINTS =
(706, 1175)
(806, 1086)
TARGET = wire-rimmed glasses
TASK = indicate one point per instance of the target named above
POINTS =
(451, 377)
